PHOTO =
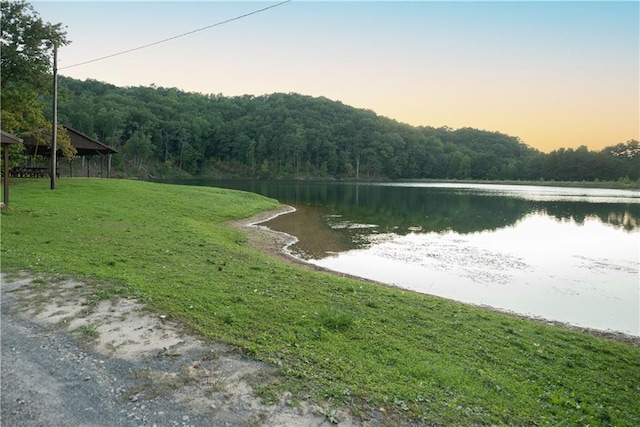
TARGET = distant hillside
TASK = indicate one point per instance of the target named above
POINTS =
(173, 133)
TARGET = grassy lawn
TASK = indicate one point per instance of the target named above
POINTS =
(343, 341)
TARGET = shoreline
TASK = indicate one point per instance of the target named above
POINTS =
(274, 243)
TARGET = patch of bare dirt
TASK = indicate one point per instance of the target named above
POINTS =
(68, 359)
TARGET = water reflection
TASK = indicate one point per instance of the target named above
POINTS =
(360, 211)
(315, 237)
(463, 208)
(561, 270)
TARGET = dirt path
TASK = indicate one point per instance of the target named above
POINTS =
(68, 362)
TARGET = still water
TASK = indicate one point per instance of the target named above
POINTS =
(563, 254)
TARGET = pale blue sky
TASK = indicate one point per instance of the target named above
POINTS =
(556, 74)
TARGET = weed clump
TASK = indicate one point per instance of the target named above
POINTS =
(335, 319)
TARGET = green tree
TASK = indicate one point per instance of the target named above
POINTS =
(264, 169)
(26, 45)
(454, 164)
(464, 171)
(139, 147)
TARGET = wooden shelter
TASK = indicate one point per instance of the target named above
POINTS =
(6, 139)
(84, 145)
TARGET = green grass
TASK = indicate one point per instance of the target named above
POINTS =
(342, 341)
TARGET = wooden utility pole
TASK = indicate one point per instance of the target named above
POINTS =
(5, 174)
(54, 119)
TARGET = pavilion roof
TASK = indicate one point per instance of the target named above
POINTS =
(7, 138)
(84, 145)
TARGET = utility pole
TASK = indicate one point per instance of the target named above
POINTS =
(54, 119)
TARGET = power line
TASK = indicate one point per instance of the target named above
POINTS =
(175, 37)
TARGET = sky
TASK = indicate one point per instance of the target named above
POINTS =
(554, 74)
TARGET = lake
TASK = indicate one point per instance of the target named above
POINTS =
(557, 253)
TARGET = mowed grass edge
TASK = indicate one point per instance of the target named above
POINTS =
(341, 341)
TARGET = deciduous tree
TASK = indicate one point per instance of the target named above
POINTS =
(26, 46)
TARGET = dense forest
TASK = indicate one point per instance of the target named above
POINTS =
(168, 133)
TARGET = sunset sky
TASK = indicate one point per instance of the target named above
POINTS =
(555, 74)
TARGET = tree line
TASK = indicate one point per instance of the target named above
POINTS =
(171, 133)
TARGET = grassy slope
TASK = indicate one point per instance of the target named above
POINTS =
(342, 340)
